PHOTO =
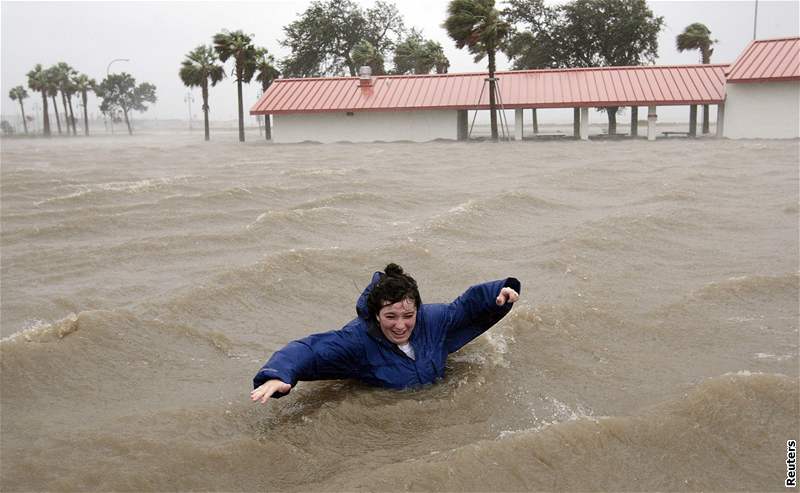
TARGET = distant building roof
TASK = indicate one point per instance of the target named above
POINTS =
(767, 60)
(557, 88)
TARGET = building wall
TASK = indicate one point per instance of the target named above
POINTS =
(762, 110)
(366, 126)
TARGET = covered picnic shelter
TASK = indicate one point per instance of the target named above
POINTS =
(427, 107)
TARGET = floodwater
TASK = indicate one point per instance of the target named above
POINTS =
(145, 280)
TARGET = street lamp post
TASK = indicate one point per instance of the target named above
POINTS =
(108, 68)
(189, 99)
(755, 20)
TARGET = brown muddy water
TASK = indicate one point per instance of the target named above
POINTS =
(145, 280)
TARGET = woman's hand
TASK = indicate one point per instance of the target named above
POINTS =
(266, 390)
(507, 295)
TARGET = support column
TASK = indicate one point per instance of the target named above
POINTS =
(518, 124)
(721, 120)
(462, 125)
(535, 119)
(576, 122)
(651, 122)
(584, 123)
(634, 121)
(693, 120)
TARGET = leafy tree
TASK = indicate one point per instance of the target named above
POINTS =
(598, 33)
(84, 84)
(417, 55)
(7, 128)
(119, 91)
(267, 73)
(197, 69)
(38, 81)
(478, 25)
(18, 94)
(533, 40)
(53, 81)
(239, 46)
(698, 37)
(325, 36)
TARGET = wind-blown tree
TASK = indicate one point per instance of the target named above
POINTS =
(53, 79)
(366, 55)
(698, 37)
(267, 73)
(84, 84)
(478, 25)
(325, 36)
(38, 81)
(67, 88)
(197, 69)
(119, 91)
(18, 94)
(533, 41)
(239, 46)
(598, 33)
(416, 55)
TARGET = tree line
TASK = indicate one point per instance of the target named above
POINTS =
(333, 37)
(336, 37)
(118, 92)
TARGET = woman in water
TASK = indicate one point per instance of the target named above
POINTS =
(395, 342)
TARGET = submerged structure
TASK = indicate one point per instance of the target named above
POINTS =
(763, 91)
(421, 108)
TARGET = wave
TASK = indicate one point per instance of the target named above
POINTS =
(85, 193)
(722, 435)
(347, 199)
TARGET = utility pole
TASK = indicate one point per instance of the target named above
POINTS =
(189, 99)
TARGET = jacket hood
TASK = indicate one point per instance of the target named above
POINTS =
(361, 306)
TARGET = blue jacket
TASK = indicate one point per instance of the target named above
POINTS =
(359, 350)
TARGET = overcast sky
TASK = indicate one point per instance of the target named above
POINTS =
(155, 36)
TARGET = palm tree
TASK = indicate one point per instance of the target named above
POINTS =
(197, 69)
(365, 54)
(84, 84)
(37, 81)
(18, 94)
(67, 88)
(477, 25)
(697, 37)
(239, 46)
(52, 90)
(267, 73)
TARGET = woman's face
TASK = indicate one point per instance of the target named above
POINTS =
(397, 320)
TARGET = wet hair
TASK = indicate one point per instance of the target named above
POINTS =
(393, 286)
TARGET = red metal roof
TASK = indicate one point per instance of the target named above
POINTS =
(559, 88)
(767, 59)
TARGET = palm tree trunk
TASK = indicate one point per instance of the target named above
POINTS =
(127, 122)
(66, 111)
(205, 109)
(45, 116)
(241, 110)
(85, 115)
(71, 115)
(55, 110)
(492, 102)
(24, 122)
